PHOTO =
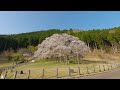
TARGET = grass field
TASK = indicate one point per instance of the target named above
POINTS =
(51, 66)
(4, 64)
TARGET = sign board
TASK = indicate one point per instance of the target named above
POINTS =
(2, 77)
(71, 70)
(20, 72)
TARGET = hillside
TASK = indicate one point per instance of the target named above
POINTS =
(93, 38)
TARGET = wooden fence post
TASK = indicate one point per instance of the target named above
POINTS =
(28, 74)
(43, 73)
(104, 67)
(111, 66)
(69, 71)
(93, 68)
(68, 62)
(15, 74)
(79, 70)
(118, 65)
(5, 74)
(99, 69)
(78, 61)
(87, 70)
(57, 72)
(108, 67)
(11, 69)
(115, 65)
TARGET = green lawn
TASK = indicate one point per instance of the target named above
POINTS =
(63, 71)
(4, 64)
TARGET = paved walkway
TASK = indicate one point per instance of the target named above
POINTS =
(115, 74)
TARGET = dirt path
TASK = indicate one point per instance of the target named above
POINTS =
(107, 75)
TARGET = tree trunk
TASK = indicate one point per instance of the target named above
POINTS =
(116, 48)
(60, 56)
(77, 55)
(95, 45)
(88, 47)
(103, 45)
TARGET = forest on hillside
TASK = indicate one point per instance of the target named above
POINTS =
(95, 39)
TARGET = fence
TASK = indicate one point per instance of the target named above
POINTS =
(57, 73)
(11, 67)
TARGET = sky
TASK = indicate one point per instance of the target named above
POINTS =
(14, 22)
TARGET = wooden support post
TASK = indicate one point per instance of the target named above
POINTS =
(69, 71)
(28, 74)
(15, 75)
(57, 72)
(43, 73)
(5, 74)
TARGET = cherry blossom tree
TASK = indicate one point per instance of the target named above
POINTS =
(62, 46)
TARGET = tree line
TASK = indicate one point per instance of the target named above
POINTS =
(95, 39)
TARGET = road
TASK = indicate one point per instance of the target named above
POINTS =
(115, 74)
